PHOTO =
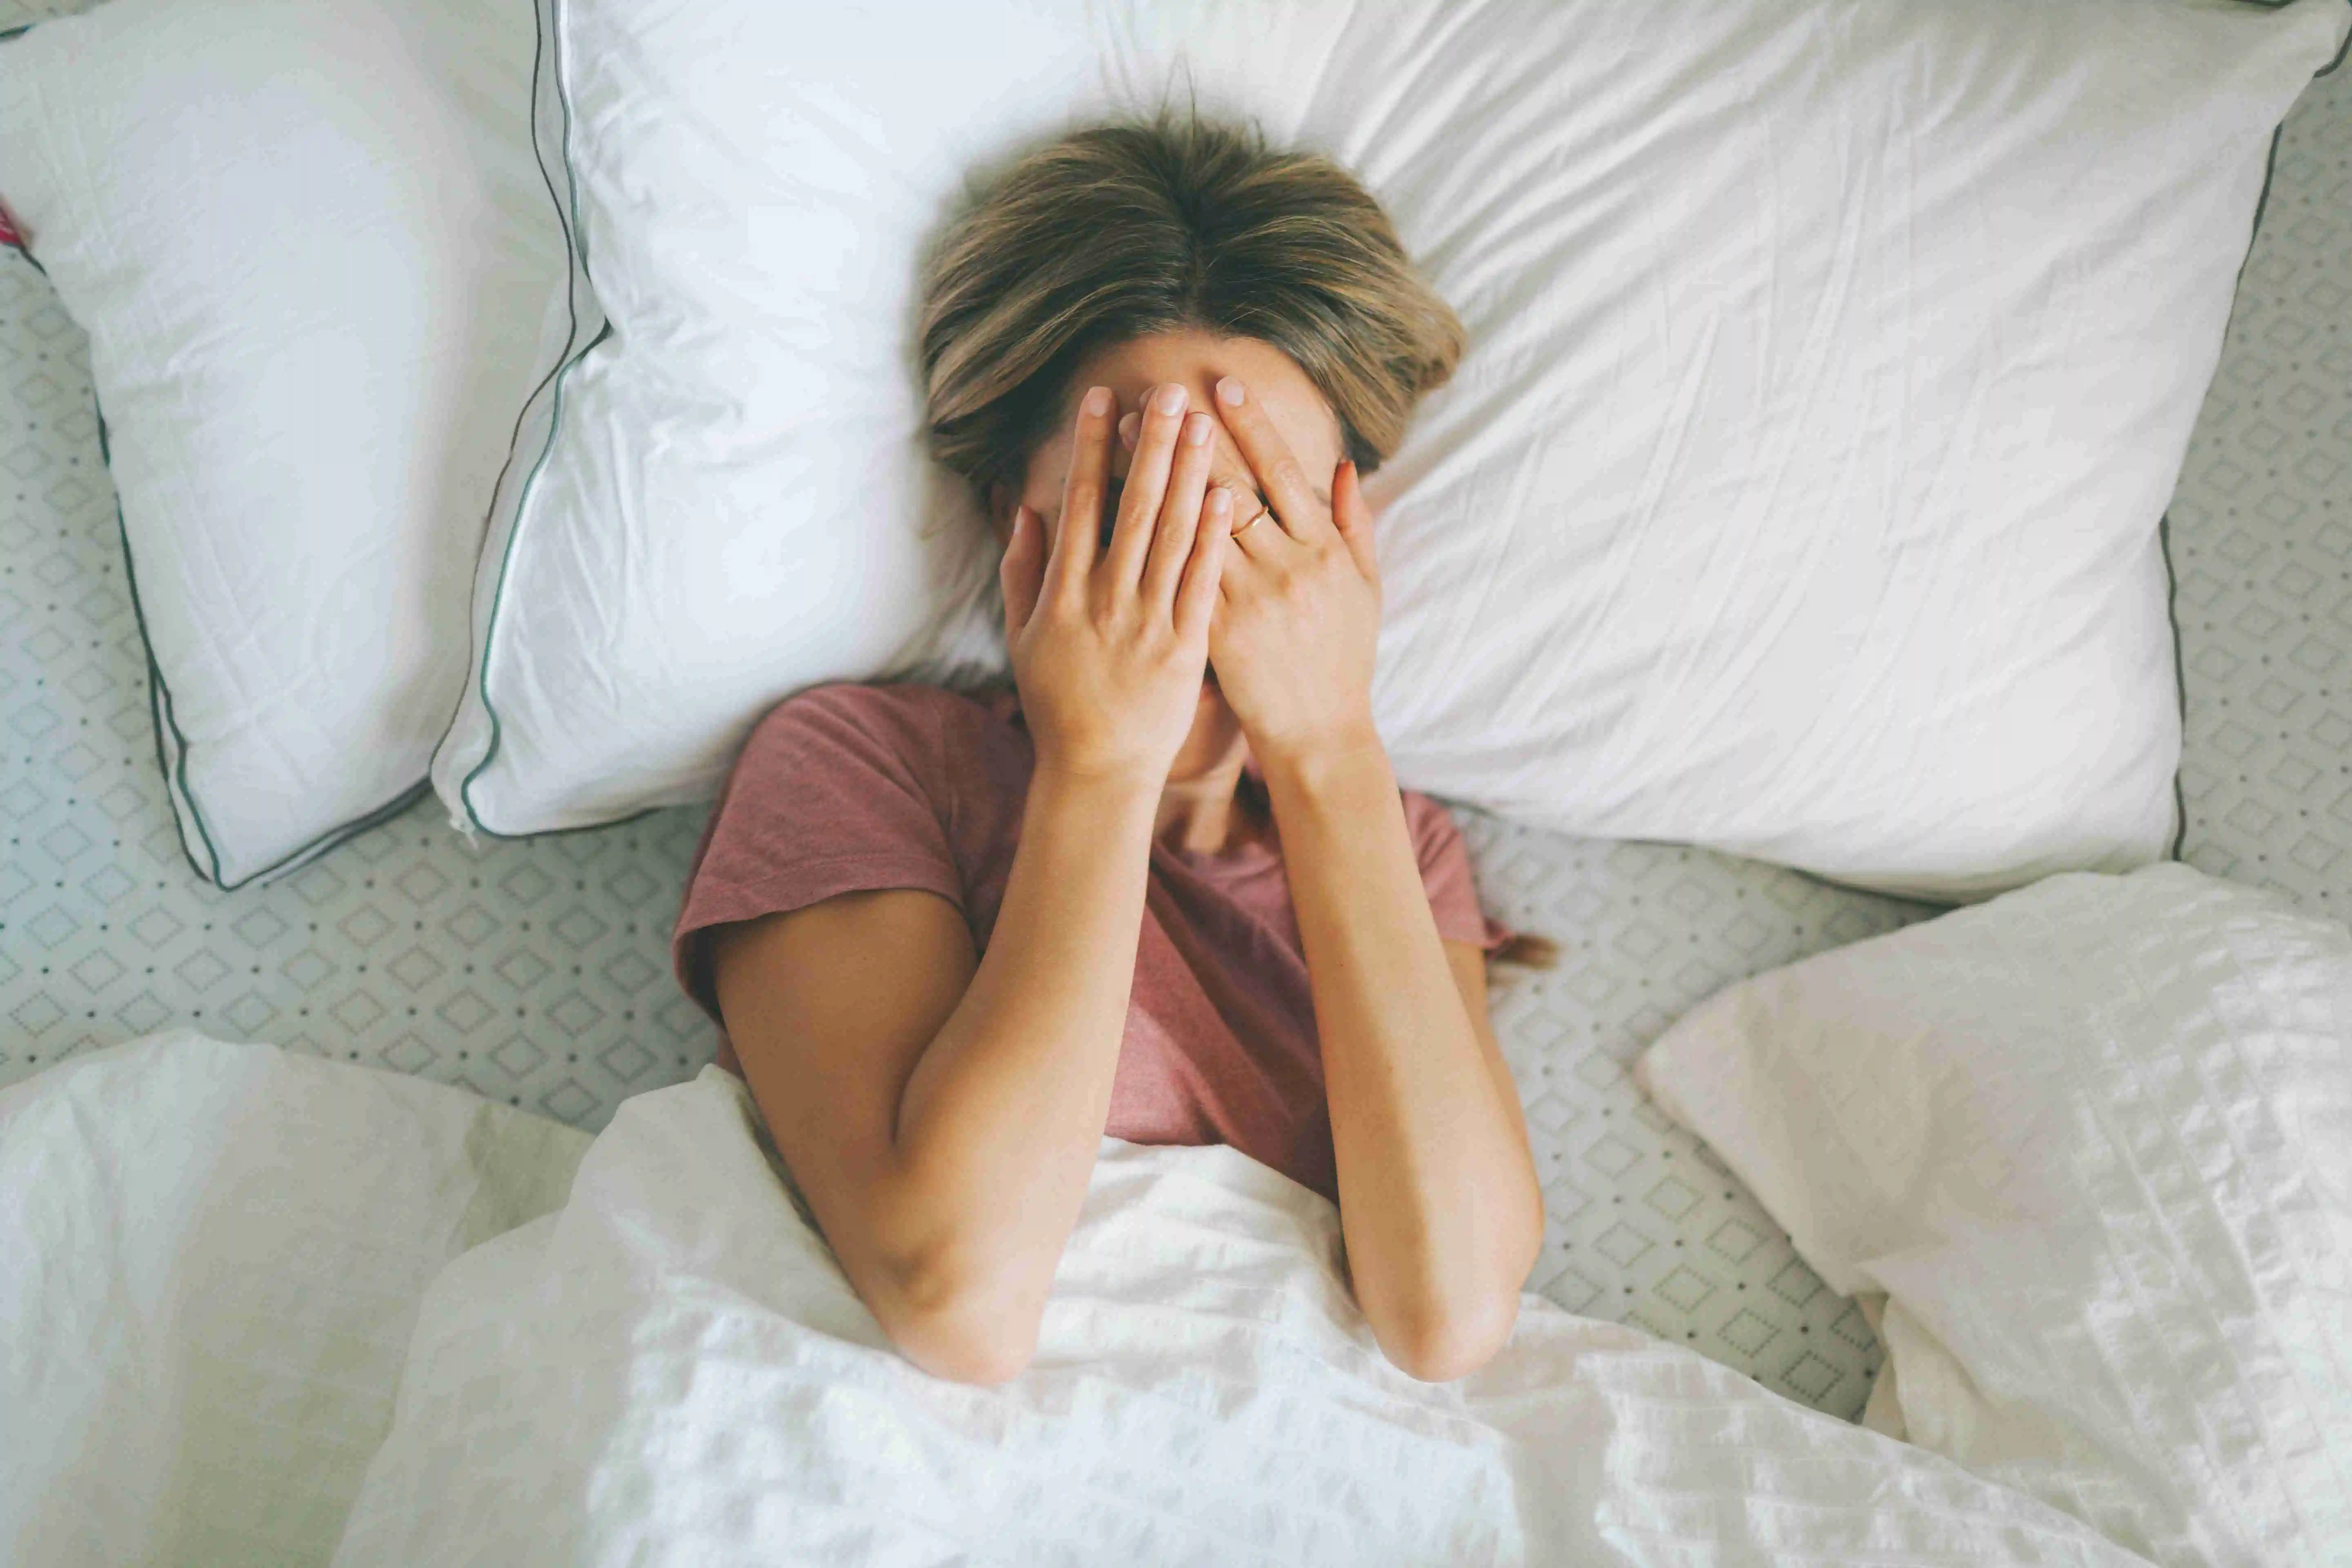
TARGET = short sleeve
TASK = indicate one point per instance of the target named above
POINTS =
(840, 789)
(1445, 872)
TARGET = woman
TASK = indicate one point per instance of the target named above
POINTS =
(1167, 887)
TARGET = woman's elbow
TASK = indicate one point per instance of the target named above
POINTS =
(959, 1331)
(986, 1357)
(1443, 1346)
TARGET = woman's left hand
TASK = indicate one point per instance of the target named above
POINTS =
(1299, 619)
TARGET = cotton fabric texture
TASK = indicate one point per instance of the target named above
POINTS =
(2089, 1147)
(847, 788)
(213, 1257)
(675, 1371)
(1830, 367)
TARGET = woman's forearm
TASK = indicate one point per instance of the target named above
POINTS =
(1438, 1201)
(1001, 1122)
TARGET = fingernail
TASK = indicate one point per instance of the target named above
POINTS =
(1128, 424)
(1097, 400)
(1196, 429)
(1170, 399)
(1020, 519)
(1221, 501)
(1229, 391)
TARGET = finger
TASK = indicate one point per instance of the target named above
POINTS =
(1122, 454)
(1180, 512)
(1257, 532)
(1021, 572)
(1122, 457)
(1147, 483)
(1072, 559)
(1230, 470)
(1196, 599)
(1353, 519)
(1269, 457)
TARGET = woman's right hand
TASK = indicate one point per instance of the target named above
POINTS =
(1111, 642)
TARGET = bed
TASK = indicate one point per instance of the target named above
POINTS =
(534, 972)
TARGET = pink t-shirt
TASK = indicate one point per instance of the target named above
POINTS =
(844, 788)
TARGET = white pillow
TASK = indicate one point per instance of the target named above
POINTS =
(2092, 1144)
(314, 255)
(1831, 369)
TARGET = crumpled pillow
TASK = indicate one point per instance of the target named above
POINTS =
(2090, 1145)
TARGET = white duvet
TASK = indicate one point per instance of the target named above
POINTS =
(673, 1370)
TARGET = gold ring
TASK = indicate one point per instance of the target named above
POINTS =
(1263, 513)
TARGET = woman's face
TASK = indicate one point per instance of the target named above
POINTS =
(1195, 360)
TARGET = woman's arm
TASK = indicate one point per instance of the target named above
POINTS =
(1438, 1199)
(942, 1113)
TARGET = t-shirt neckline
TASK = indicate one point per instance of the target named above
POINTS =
(1251, 856)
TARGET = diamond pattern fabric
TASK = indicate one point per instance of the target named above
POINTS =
(2260, 537)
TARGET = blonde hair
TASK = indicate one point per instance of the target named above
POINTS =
(1122, 231)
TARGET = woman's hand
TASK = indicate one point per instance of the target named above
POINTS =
(1110, 642)
(1297, 632)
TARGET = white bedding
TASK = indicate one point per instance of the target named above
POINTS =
(313, 253)
(2090, 1146)
(211, 1255)
(673, 1370)
(2093, 1142)
(1830, 366)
